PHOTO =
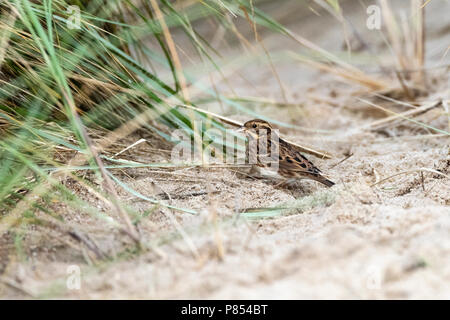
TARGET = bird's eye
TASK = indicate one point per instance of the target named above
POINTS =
(254, 125)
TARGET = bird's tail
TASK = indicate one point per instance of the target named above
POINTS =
(319, 178)
(327, 182)
(324, 181)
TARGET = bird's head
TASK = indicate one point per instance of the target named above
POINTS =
(255, 126)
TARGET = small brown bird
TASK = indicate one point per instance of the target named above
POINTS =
(292, 165)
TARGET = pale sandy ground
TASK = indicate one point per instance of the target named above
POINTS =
(391, 240)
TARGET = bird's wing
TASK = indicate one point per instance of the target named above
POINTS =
(293, 160)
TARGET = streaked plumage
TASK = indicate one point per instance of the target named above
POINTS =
(292, 164)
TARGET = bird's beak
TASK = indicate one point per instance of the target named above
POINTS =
(240, 130)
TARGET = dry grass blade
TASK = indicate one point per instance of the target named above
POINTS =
(263, 101)
(190, 243)
(4, 36)
(405, 88)
(172, 49)
(89, 243)
(130, 229)
(319, 154)
(352, 75)
(129, 147)
(261, 43)
(447, 111)
(398, 102)
(407, 115)
(419, 14)
(410, 171)
(393, 33)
